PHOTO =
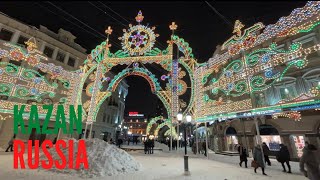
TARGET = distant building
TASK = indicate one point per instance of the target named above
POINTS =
(136, 124)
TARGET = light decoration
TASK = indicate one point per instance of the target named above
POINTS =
(3, 118)
(137, 47)
(241, 41)
(21, 83)
(165, 123)
(297, 16)
(174, 133)
(256, 70)
(142, 72)
(292, 115)
(152, 122)
(139, 38)
(174, 89)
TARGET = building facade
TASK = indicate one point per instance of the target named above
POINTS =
(291, 126)
(136, 124)
(61, 50)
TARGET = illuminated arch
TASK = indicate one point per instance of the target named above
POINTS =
(142, 72)
(168, 133)
(152, 121)
(165, 123)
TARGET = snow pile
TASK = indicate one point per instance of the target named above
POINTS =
(104, 159)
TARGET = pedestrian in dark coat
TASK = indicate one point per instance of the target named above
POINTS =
(266, 153)
(145, 143)
(284, 157)
(152, 145)
(149, 144)
(204, 146)
(257, 156)
(10, 143)
(243, 155)
(310, 157)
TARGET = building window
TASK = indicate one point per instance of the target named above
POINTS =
(60, 57)
(22, 40)
(48, 51)
(5, 34)
(17, 63)
(71, 62)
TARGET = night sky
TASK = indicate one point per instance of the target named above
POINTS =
(197, 23)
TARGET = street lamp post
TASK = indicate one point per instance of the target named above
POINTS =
(186, 164)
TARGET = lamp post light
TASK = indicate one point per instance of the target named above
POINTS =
(188, 120)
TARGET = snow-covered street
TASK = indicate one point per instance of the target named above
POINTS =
(164, 165)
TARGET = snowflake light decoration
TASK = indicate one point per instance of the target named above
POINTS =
(138, 39)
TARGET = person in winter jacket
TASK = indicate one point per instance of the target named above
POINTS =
(204, 146)
(10, 143)
(266, 153)
(257, 156)
(243, 155)
(146, 144)
(311, 159)
(284, 157)
(152, 145)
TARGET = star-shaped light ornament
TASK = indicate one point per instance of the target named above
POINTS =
(109, 30)
(237, 27)
(173, 26)
(139, 17)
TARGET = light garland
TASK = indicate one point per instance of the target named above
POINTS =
(292, 115)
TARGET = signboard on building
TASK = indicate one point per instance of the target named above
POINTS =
(135, 114)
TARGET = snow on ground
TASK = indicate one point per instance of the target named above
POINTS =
(104, 159)
(165, 166)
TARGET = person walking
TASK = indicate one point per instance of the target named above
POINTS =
(258, 159)
(120, 141)
(145, 146)
(152, 145)
(10, 143)
(266, 152)
(205, 148)
(284, 157)
(310, 157)
(243, 155)
(149, 146)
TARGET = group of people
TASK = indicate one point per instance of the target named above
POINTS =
(310, 158)
(175, 144)
(148, 146)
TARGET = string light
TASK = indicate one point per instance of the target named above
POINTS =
(257, 71)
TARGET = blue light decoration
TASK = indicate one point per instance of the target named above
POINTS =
(315, 106)
(268, 73)
(228, 74)
(135, 65)
(36, 80)
(33, 91)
